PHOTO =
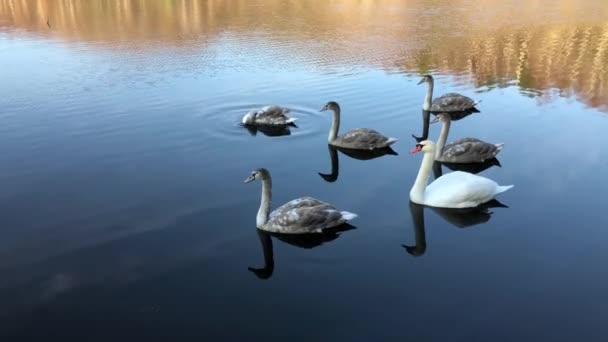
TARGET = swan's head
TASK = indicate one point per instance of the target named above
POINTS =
(249, 118)
(443, 117)
(426, 79)
(425, 146)
(259, 174)
(331, 105)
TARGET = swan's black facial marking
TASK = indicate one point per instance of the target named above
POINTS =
(417, 148)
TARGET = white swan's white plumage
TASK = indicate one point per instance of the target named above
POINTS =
(461, 190)
(453, 190)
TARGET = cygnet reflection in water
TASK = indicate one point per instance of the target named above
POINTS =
(460, 218)
(426, 119)
(355, 154)
(306, 241)
(270, 131)
(473, 168)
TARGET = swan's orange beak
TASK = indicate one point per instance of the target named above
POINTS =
(416, 149)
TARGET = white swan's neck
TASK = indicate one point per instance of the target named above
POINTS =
(429, 96)
(335, 126)
(264, 210)
(417, 191)
(443, 137)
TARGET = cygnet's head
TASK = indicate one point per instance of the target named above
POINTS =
(249, 118)
(425, 146)
(331, 105)
(443, 117)
(426, 79)
(259, 174)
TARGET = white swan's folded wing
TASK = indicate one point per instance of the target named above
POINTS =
(460, 190)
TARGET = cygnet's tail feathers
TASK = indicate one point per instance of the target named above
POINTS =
(499, 147)
(391, 141)
(291, 120)
(348, 215)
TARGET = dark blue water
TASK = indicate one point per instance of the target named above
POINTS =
(124, 215)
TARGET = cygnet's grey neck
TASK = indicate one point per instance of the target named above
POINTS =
(264, 210)
(443, 137)
(429, 95)
(335, 126)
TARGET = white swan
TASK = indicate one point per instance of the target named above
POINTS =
(453, 190)
(450, 102)
(300, 216)
(269, 116)
(356, 139)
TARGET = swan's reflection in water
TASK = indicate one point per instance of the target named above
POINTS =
(270, 131)
(426, 118)
(473, 168)
(460, 218)
(355, 154)
(306, 241)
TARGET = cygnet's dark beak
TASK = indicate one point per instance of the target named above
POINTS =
(435, 120)
(324, 108)
(421, 81)
(251, 178)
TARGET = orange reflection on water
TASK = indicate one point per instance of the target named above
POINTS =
(538, 45)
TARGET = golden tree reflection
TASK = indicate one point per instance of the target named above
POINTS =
(539, 45)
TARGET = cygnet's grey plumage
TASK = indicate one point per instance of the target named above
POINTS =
(300, 216)
(466, 150)
(450, 102)
(268, 116)
(469, 150)
(358, 138)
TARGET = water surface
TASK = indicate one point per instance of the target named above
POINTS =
(124, 214)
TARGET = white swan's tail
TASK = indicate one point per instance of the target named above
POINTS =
(391, 141)
(502, 188)
(348, 215)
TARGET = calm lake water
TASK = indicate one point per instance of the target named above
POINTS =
(123, 210)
